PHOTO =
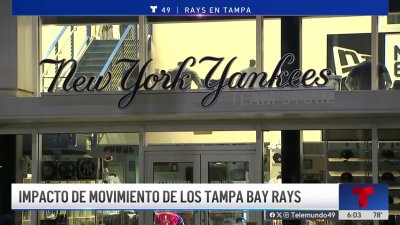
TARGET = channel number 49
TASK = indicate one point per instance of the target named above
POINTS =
(166, 10)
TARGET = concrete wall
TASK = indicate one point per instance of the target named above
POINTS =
(19, 55)
(8, 46)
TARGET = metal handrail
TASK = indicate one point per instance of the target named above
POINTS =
(46, 55)
(55, 43)
(77, 54)
(115, 51)
(85, 45)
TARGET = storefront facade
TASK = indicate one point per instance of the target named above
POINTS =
(331, 133)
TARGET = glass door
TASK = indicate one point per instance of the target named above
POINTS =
(226, 168)
(203, 167)
(173, 168)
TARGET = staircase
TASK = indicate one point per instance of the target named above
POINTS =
(95, 57)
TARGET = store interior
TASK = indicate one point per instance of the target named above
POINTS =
(328, 156)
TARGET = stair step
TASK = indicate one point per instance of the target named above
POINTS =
(101, 49)
(87, 74)
(99, 52)
(92, 61)
(90, 69)
(91, 65)
(104, 43)
(96, 55)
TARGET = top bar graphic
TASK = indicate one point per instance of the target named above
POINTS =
(199, 7)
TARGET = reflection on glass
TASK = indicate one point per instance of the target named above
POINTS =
(170, 172)
(349, 156)
(89, 158)
(173, 172)
(348, 160)
(180, 218)
(331, 156)
(114, 218)
(228, 172)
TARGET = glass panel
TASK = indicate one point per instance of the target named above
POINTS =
(272, 162)
(342, 44)
(272, 44)
(201, 137)
(328, 156)
(337, 156)
(96, 48)
(228, 172)
(200, 39)
(220, 171)
(90, 158)
(389, 48)
(173, 172)
(314, 157)
(26, 168)
(272, 157)
(389, 159)
(349, 156)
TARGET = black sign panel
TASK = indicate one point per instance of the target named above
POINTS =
(90, 168)
(344, 51)
(85, 168)
(49, 170)
(66, 170)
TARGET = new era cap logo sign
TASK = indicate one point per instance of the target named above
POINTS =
(363, 194)
(345, 59)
